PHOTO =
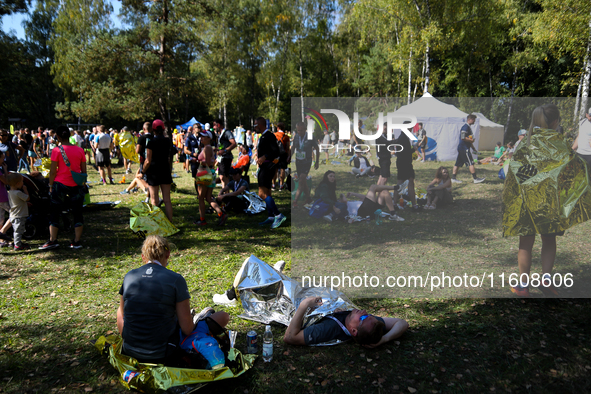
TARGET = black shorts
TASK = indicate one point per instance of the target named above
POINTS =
(464, 158)
(194, 167)
(368, 207)
(266, 175)
(224, 166)
(282, 163)
(303, 167)
(385, 164)
(158, 178)
(103, 158)
(182, 156)
(405, 170)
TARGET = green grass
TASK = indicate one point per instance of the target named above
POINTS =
(54, 303)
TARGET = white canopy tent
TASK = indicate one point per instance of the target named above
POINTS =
(442, 122)
(490, 133)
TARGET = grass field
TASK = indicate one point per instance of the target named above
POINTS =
(54, 303)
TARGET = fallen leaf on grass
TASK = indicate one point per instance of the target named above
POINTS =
(88, 389)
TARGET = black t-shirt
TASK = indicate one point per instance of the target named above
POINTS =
(233, 185)
(160, 147)
(406, 154)
(142, 143)
(327, 329)
(304, 148)
(224, 142)
(150, 293)
(382, 150)
(268, 147)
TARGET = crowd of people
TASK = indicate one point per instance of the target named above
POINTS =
(205, 152)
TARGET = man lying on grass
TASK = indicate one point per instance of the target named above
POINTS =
(367, 330)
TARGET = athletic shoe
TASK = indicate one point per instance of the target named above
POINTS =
(357, 175)
(371, 176)
(200, 223)
(75, 245)
(5, 244)
(478, 180)
(134, 190)
(395, 218)
(223, 299)
(127, 172)
(111, 181)
(18, 248)
(160, 203)
(454, 180)
(103, 181)
(279, 266)
(124, 192)
(223, 219)
(520, 291)
(207, 311)
(278, 221)
(49, 245)
(328, 217)
(269, 220)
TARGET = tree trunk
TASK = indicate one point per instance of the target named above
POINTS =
(492, 101)
(510, 103)
(409, 73)
(427, 70)
(578, 100)
(301, 84)
(161, 54)
(585, 93)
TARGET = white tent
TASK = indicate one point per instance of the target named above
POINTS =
(490, 132)
(442, 122)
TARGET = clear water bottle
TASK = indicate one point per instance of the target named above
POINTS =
(378, 217)
(268, 345)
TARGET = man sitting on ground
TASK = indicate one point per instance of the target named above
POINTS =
(368, 330)
(363, 166)
(232, 193)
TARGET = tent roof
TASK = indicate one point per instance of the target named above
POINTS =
(484, 122)
(429, 106)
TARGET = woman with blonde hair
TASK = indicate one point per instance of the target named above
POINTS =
(439, 190)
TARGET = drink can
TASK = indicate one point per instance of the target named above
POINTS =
(129, 374)
(251, 343)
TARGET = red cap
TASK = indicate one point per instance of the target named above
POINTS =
(157, 124)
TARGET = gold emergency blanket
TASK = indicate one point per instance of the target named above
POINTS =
(546, 187)
(158, 378)
(127, 145)
(147, 219)
(44, 167)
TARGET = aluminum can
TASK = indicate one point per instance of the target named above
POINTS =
(129, 374)
(251, 343)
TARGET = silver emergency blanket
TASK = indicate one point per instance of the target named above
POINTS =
(256, 204)
(269, 296)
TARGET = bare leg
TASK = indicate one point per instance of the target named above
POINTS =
(102, 173)
(548, 253)
(212, 201)
(167, 202)
(154, 195)
(454, 170)
(77, 233)
(53, 233)
(201, 201)
(384, 198)
(526, 244)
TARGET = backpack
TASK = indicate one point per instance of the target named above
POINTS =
(280, 135)
(319, 209)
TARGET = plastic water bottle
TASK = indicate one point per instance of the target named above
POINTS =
(268, 344)
(378, 216)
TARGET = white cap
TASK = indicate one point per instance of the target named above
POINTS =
(207, 126)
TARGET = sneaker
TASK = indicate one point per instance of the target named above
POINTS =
(478, 180)
(278, 220)
(75, 245)
(127, 172)
(103, 181)
(357, 175)
(207, 311)
(200, 223)
(279, 266)
(223, 219)
(328, 217)
(124, 192)
(49, 245)
(454, 180)
(18, 248)
(5, 244)
(111, 181)
(269, 220)
(223, 299)
(160, 203)
(395, 218)
(520, 291)
(134, 190)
